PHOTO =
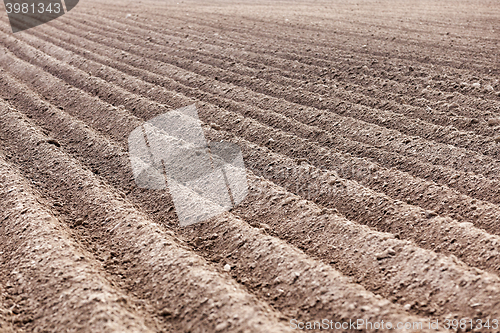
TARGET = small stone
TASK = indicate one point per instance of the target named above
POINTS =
(385, 254)
(54, 142)
(264, 226)
(476, 85)
(227, 267)
(221, 327)
(489, 88)
(493, 121)
(497, 139)
(165, 313)
(430, 213)
(215, 126)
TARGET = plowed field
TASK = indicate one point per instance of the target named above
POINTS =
(370, 131)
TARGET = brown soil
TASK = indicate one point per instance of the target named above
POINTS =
(373, 166)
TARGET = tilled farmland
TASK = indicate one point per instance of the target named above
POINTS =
(370, 133)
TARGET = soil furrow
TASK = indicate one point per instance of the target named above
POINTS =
(371, 95)
(311, 53)
(249, 27)
(67, 287)
(395, 184)
(208, 237)
(355, 201)
(359, 130)
(388, 117)
(335, 58)
(258, 253)
(465, 183)
(192, 294)
(370, 137)
(359, 203)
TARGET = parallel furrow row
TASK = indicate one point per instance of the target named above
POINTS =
(398, 185)
(432, 152)
(388, 119)
(316, 39)
(373, 170)
(320, 289)
(325, 50)
(371, 91)
(63, 124)
(380, 218)
(474, 186)
(179, 284)
(69, 289)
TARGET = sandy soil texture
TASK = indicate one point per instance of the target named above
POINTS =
(370, 131)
